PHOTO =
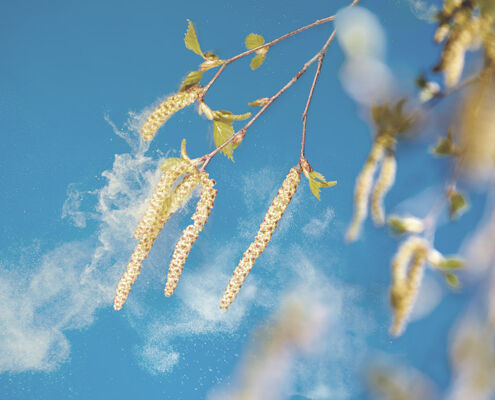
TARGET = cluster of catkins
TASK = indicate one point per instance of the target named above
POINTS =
(168, 107)
(463, 27)
(407, 273)
(190, 234)
(267, 227)
(382, 152)
(164, 202)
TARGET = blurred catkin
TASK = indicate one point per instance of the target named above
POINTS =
(362, 189)
(267, 227)
(383, 184)
(407, 273)
(477, 129)
(190, 234)
(168, 107)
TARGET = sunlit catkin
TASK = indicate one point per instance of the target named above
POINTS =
(168, 107)
(362, 189)
(383, 184)
(190, 234)
(164, 205)
(267, 227)
(161, 194)
(407, 273)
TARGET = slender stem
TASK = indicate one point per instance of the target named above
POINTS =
(267, 45)
(241, 133)
(321, 57)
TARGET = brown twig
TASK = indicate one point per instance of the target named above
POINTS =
(267, 45)
(321, 56)
(241, 133)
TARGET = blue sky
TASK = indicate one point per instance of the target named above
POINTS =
(76, 80)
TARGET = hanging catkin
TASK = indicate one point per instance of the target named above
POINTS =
(168, 107)
(272, 217)
(190, 234)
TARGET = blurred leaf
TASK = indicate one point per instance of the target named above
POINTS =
(317, 181)
(446, 145)
(457, 204)
(191, 40)
(223, 131)
(257, 61)
(451, 263)
(452, 280)
(253, 40)
(390, 119)
(399, 226)
(421, 82)
(259, 102)
(192, 78)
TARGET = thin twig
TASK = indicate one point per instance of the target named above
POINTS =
(267, 45)
(241, 133)
(310, 96)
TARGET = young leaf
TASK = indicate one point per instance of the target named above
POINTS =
(457, 204)
(209, 64)
(253, 40)
(259, 102)
(257, 61)
(452, 280)
(183, 152)
(169, 163)
(191, 40)
(223, 131)
(229, 116)
(192, 78)
(317, 181)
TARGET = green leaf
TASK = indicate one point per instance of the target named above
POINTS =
(223, 131)
(191, 40)
(192, 78)
(169, 163)
(457, 204)
(257, 61)
(451, 263)
(253, 40)
(452, 280)
(229, 116)
(317, 181)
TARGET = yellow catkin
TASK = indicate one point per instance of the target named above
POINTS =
(161, 194)
(411, 255)
(362, 189)
(190, 234)
(150, 233)
(270, 221)
(383, 184)
(170, 106)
